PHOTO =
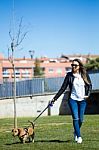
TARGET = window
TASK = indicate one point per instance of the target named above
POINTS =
(68, 69)
(25, 72)
(51, 70)
(59, 71)
(5, 72)
(17, 72)
(43, 69)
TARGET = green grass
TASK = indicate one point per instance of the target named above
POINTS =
(52, 133)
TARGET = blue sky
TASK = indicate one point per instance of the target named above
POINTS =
(54, 27)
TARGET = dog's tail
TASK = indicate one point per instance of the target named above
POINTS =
(31, 123)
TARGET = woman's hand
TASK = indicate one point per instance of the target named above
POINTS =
(86, 97)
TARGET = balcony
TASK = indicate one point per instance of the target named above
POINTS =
(6, 75)
(25, 75)
(17, 75)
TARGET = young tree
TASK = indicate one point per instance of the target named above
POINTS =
(38, 71)
(16, 40)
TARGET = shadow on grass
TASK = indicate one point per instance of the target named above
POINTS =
(53, 141)
(41, 141)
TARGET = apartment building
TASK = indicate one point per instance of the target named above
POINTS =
(24, 67)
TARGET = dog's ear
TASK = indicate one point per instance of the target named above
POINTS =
(18, 130)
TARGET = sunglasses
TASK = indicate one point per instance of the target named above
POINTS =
(74, 65)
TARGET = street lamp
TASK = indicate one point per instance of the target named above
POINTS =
(31, 52)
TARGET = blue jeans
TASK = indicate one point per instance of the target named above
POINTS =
(77, 111)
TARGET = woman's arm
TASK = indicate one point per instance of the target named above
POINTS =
(88, 86)
(62, 89)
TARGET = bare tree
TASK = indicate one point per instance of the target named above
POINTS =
(20, 35)
(16, 40)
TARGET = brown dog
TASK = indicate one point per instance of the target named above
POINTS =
(24, 134)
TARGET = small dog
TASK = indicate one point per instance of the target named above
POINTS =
(24, 134)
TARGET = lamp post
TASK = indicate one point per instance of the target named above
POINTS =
(31, 52)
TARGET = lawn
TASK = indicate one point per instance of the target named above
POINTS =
(52, 132)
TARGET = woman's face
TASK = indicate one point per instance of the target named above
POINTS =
(75, 67)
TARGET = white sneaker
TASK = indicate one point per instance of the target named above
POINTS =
(75, 138)
(79, 140)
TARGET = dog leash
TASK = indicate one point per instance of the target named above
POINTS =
(49, 105)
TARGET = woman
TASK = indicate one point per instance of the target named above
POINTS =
(80, 86)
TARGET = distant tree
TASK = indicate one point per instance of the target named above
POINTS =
(92, 64)
(38, 71)
(97, 59)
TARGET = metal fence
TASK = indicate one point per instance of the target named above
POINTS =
(95, 79)
(39, 86)
(30, 87)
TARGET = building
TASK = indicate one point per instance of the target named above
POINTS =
(24, 67)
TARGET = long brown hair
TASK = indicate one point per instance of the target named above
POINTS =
(82, 70)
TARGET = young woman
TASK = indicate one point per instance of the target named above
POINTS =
(80, 87)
